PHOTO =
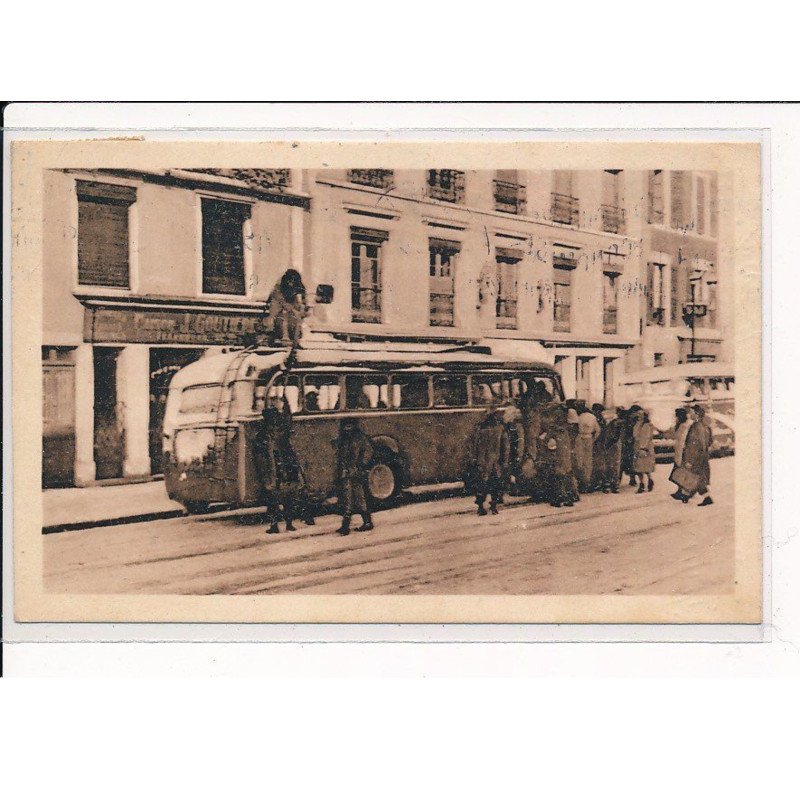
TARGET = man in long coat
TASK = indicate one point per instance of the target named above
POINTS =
(563, 490)
(353, 457)
(588, 431)
(695, 457)
(490, 455)
(277, 471)
(613, 441)
(644, 458)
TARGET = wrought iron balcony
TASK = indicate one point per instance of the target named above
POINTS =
(510, 197)
(258, 178)
(441, 309)
(377, 178)
(446, 184)
(366, 302)
(506, 313)
(613, 219)
(564, 208)
(562, 315)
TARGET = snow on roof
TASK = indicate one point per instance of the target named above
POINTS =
(341, 355)
(703, 369)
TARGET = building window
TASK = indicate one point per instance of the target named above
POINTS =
(377, 178)
(679, 199)
(702, 216)
(507, 275)
(366, 248)
(655, 197)
(103, 234)
(656, 298)
(612, 212)
(223, 245)
(443, 254)
(446, 184)
(565, 261)
(509, 193)
(658, 359)
(564, 205)
(610, 285)
(677, 291)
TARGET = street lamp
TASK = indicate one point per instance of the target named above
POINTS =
(693, 310)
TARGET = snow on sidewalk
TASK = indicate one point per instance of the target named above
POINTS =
(96, 504)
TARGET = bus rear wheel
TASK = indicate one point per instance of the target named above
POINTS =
(383, 484)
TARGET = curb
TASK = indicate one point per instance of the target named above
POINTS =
(103, 523)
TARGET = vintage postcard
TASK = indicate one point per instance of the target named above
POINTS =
(387, 382)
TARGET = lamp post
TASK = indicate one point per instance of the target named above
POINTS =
(693, 309)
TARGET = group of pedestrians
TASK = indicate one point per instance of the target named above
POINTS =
(551, 451)
(555, 451)
(283, 481)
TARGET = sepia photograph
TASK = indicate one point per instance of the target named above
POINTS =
(479, 383)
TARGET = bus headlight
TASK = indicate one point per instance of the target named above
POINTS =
(193, 444)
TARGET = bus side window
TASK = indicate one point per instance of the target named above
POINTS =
(481, 390)
(697, 387)
(286, 387)
(544, 386)
(321, 393)
(410, 391)
(450, 390)
(366, 391)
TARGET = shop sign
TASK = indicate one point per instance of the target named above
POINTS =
(168, 326)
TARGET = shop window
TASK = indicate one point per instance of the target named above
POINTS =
(224, 246)
(366, 256)
(103, 234)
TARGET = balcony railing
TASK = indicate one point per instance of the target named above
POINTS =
(506, 314)
(258, 178)
(366, 303)
(564, 208)
(446, 184)
(377, 178)
(442, 309)
(562, 315)
(609, 320)
(613, 219)
(509, 197)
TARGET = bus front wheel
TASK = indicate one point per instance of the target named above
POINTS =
(382, 482)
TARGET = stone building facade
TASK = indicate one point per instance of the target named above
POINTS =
(145, 271)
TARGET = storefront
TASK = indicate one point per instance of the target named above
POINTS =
(104, 400)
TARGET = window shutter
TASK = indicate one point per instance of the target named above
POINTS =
(103, 253)
(223, 246)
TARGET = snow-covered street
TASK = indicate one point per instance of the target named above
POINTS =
(625, 543)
